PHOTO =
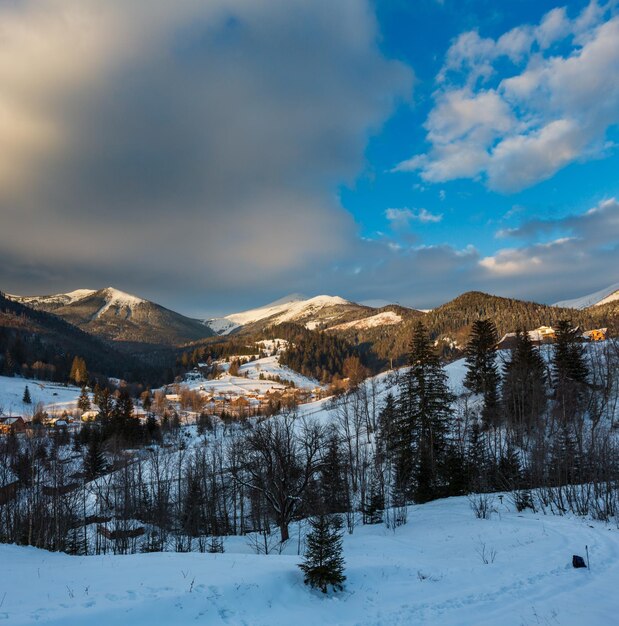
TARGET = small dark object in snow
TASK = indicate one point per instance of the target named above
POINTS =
(578, 561)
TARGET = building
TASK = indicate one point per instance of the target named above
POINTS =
(12, 425)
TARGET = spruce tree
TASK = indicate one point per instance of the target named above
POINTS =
(323, 565)
(569, 371)
(26, 399)
(482, 374)
(524, 386)
(83, 402)
(424, 414)
(94, 462)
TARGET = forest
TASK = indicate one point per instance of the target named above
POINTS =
(537, 423)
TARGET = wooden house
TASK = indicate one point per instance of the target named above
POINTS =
(12, 425)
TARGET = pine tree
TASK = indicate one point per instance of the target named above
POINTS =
(424, 414)
(26, 399)
(570, 371)
(94, 462)
(333, 485)
(482, 374)
(524, 386)
(105, 404)
(83, 402)
(324, 563)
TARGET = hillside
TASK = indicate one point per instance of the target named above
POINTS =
(28, 336)
(317, 313)
(450, 323)
(121, 317)
(597, 298)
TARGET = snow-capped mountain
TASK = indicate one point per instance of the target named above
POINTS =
(597, 298)
(49, 303)
(317, 312)
(119, 316)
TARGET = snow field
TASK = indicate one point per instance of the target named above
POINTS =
(429, 571)
(55, 397)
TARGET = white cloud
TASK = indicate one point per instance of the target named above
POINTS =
(400, 218)
(548, 111)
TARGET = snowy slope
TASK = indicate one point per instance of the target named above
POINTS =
(56, 300)
(55, 397)
(288, 309)
(603, 296)
(427, 572)
(114, 298)
(387, 318)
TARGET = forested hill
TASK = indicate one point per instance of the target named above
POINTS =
(450, 323)
(29, 337)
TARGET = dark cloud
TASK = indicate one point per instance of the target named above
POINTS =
(185, 147)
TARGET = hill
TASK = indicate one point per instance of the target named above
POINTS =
(40, 343)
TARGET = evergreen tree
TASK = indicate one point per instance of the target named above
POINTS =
(482, 374)
(83, 402)
(423, 422)
(94, 462)
(104, 404)
(524, 386)
(570, 371)
(324, 563)
(26, 399)
(333, 485)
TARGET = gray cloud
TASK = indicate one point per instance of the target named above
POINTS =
(183, 147)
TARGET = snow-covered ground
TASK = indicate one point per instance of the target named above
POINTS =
(249, 379)
(603, 296)
(430, 571)
(55, 397)
(287, 309)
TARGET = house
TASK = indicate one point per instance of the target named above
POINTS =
(89, 416)
(543, 334)
(12, 425)
(597, 334)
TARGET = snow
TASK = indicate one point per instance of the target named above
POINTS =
(248, 382)
(427, 572)
(387, 318)
(116, 298)
(287, 309)
(55, 397)
(59, 298)
(603, 296)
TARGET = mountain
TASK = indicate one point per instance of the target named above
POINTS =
(597, 298)
(320, 312)
(41, 341)
(50, 303)
(121, 317)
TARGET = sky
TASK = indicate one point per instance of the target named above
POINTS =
(216, 156)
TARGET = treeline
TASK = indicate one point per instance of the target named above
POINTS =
(315, 354)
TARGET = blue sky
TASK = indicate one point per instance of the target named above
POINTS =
(420, 34)
(215, 156)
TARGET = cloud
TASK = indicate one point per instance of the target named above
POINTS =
(582, 252)
(516, 127)
(401, 218)
(185, 145)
